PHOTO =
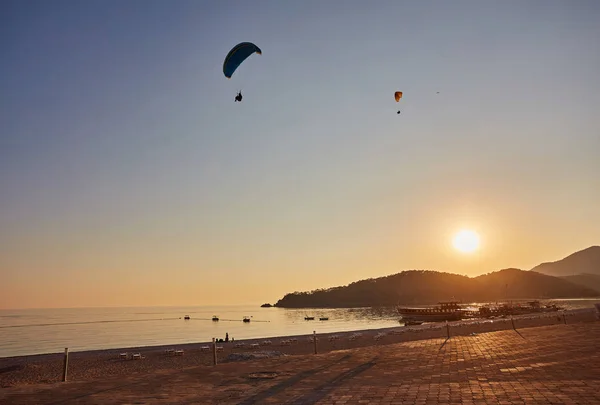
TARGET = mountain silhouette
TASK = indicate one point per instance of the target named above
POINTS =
(585, 261)
(585, 280)
(415, 287)
(428, 287)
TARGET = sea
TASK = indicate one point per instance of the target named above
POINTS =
(38, 331)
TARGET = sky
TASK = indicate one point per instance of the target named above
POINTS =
(130, 177)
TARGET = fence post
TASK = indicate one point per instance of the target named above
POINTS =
(315, 340)
(448, 329)
(214, 352)
(512, 320)
(65, 364)
(565, 317)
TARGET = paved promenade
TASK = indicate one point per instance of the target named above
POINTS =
(557, 364)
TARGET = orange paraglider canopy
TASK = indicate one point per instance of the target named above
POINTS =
(398, 95)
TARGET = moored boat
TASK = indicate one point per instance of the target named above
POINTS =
(445, 311)
(516, 309)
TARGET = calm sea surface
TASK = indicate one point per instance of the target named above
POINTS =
(34, 331)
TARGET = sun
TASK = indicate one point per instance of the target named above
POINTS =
(466, 241)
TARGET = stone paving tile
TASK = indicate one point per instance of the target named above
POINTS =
(547, 365)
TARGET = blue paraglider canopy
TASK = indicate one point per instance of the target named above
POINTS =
(237, 55)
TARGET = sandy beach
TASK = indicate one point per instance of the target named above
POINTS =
(94, 365)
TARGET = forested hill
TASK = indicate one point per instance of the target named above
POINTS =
(427, 287)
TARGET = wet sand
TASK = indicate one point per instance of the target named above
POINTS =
(102, 364)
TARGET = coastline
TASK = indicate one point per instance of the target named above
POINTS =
(99, 364)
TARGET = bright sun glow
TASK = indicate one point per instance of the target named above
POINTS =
(466, 241)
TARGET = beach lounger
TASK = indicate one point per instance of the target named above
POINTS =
(178, 352)
(136, 356)
(220, 348)
(123, 356)
(254, 345)
(206, 348)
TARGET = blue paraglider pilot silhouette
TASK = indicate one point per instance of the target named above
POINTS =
(236, 56)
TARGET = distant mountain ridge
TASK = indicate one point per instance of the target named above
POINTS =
(427, 286)
(585, 280)
(585, 261)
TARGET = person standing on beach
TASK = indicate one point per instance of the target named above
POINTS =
(227, 337)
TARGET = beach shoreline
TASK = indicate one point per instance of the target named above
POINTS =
(98, 364)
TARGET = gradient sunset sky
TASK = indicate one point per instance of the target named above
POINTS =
(128, 176)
